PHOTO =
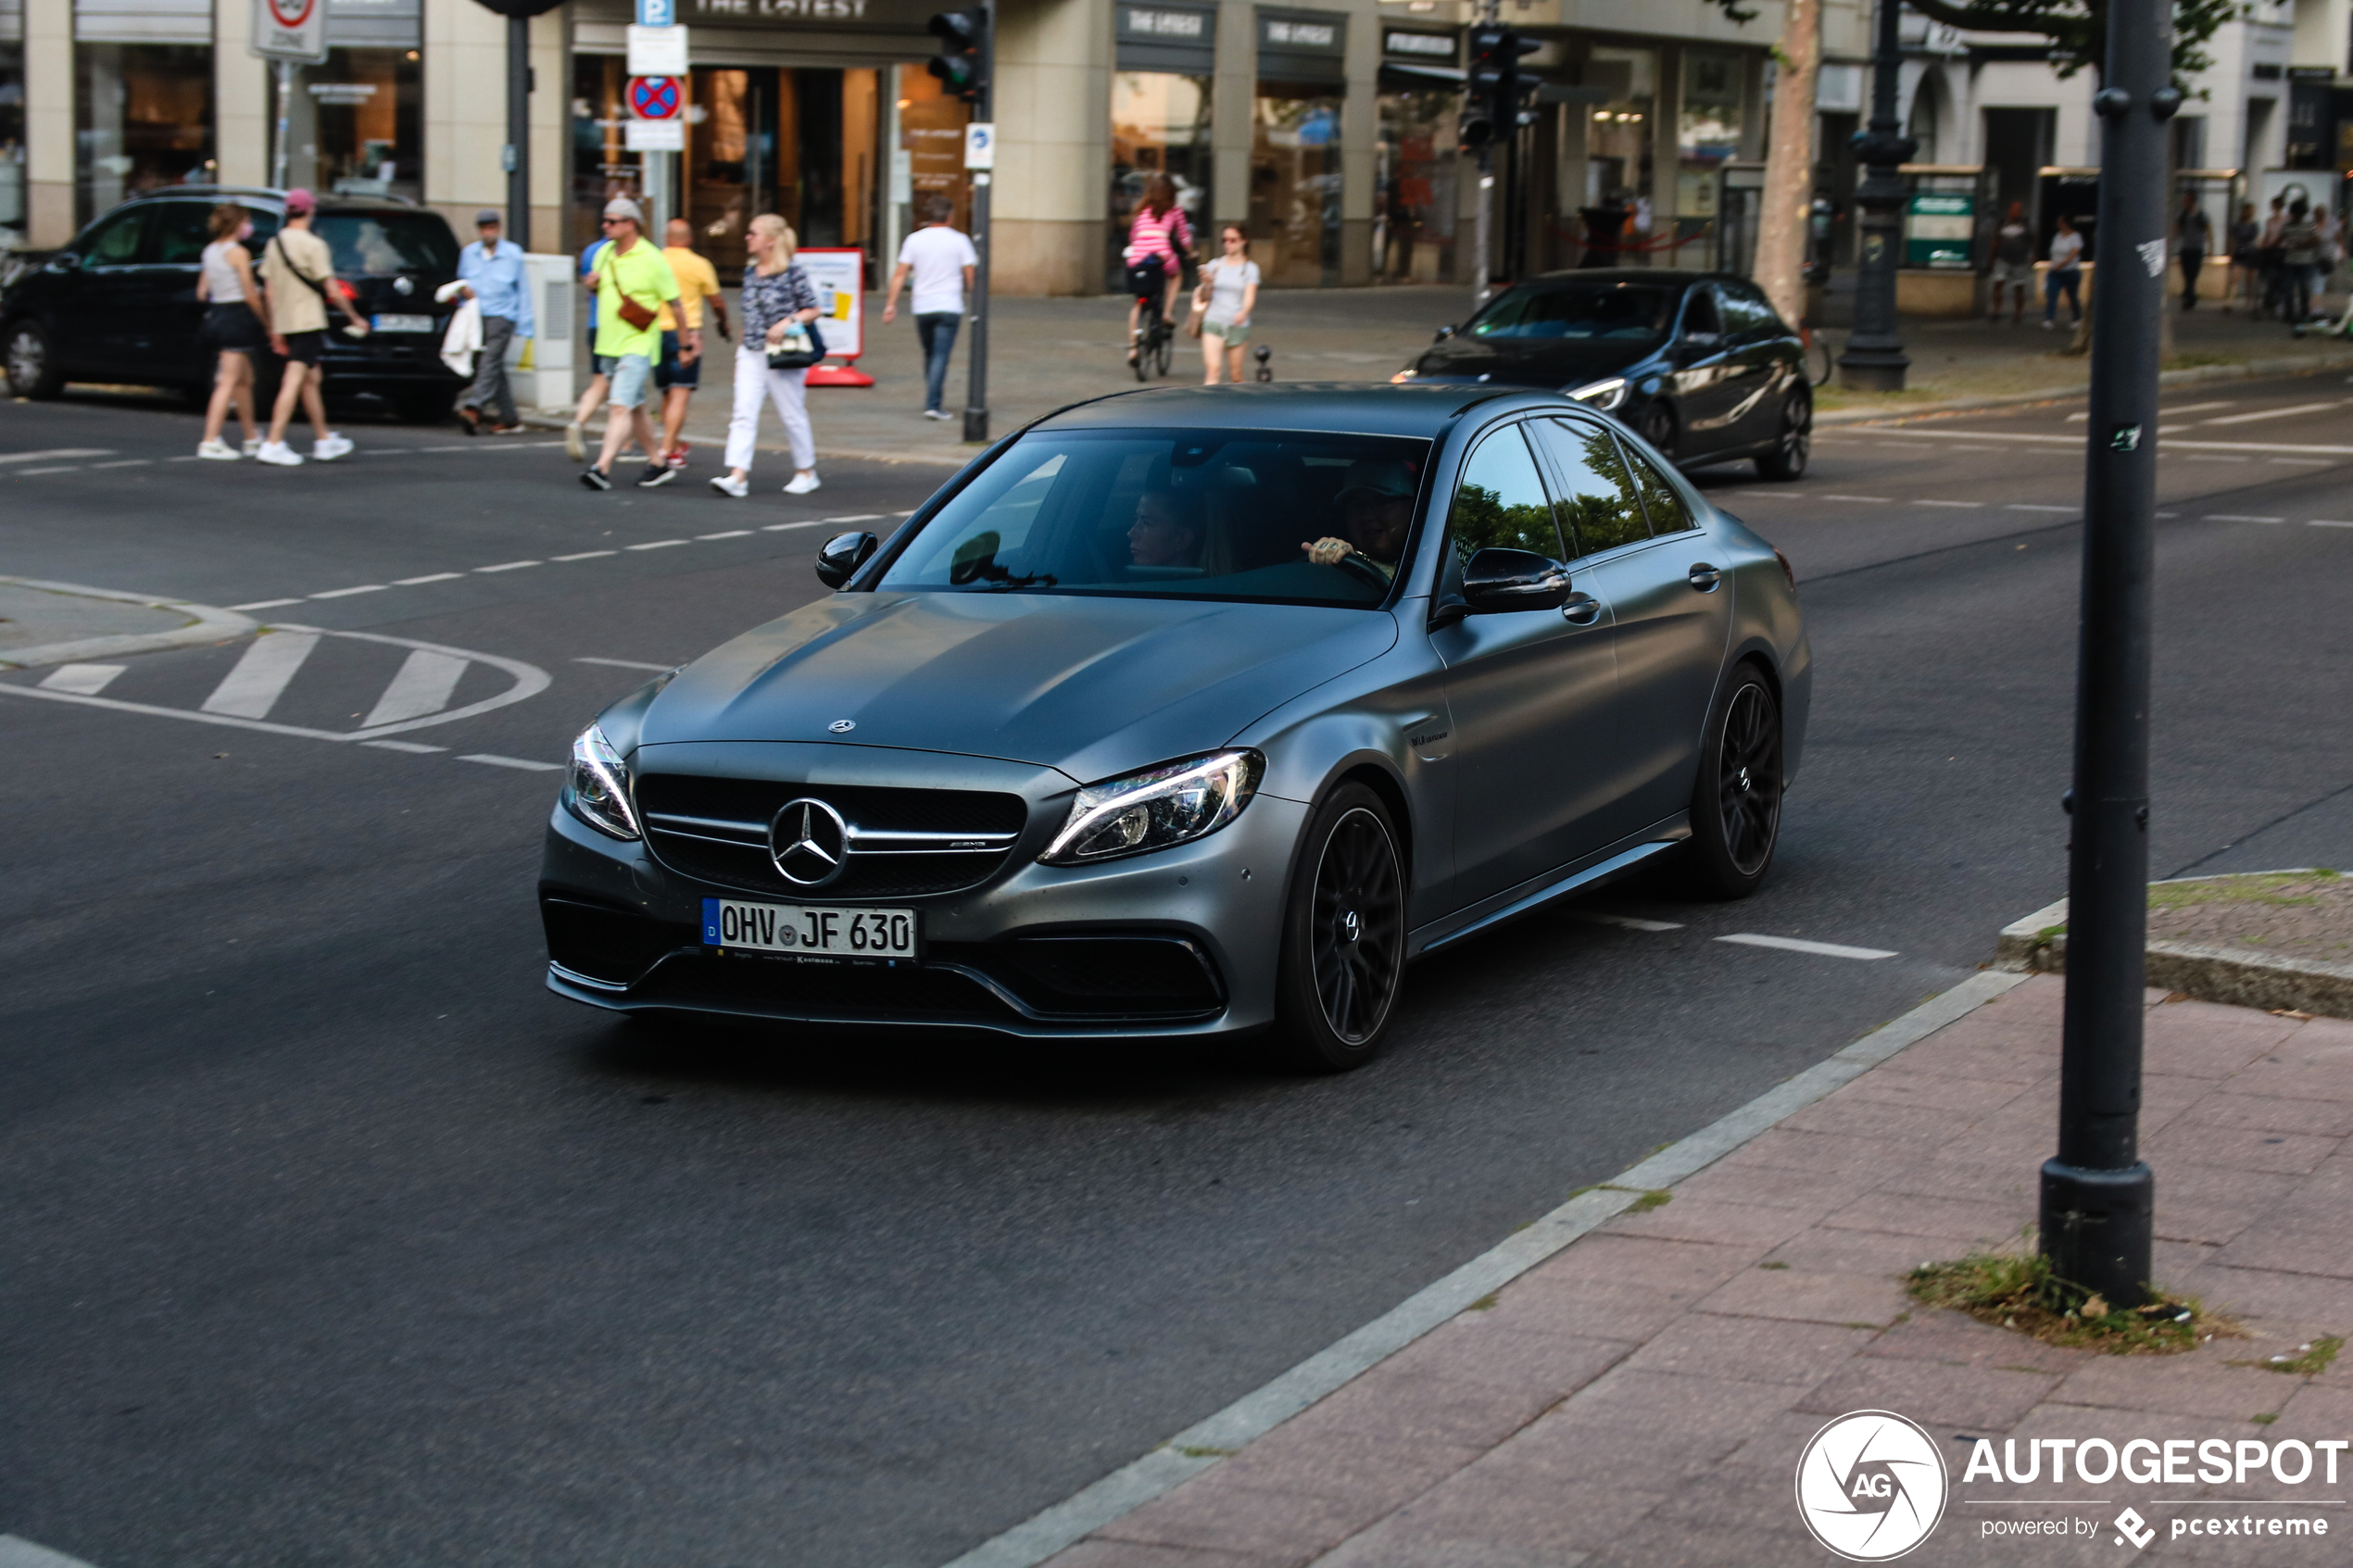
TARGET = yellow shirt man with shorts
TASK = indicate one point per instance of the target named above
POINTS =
(632, 280)
(679, 370)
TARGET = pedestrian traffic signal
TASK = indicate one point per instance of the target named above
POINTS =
(1491, 86)
(958, 64)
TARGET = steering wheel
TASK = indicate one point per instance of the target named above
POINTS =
(1359, 566)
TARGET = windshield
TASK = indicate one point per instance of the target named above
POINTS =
(381, 245)
(1271, 515)
(1617, 312)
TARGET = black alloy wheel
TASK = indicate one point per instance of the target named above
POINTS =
(33, 371)
(1794, 445)
(1736, 802)
(1343, 935)
(1162, 349)
(1658, 429)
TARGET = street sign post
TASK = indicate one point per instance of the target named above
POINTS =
(980, 145)
(288, 33)
(516, 156)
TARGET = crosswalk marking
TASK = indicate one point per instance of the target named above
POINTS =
(251, 689)
(87, 680)
(56, 452)
(523, 763)
(423, 685)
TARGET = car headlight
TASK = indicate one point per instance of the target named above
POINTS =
(1401, 378)
(1604, 394)
(1173, 803)
(598, 789)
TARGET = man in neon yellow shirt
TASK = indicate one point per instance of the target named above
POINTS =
(634, 273)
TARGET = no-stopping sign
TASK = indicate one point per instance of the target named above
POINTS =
(650, 97)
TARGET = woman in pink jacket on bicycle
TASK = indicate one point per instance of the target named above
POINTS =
(1159, 236)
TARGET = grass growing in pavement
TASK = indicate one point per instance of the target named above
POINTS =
(2310, 1362)
(2017, 1290)
(2262, 888)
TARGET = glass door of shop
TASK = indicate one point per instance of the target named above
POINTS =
(1294, 184)
(1159, 125)
(799, 143)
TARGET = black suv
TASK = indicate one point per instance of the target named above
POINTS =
(118, 303)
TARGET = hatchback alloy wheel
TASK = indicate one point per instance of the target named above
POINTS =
(1736, 805)
(1345, 937)
(1795, 447)
(32, 371)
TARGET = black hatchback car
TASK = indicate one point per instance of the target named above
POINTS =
(118, 303)
(1698, 363)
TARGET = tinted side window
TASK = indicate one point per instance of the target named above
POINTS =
(181, 230)
(1746, 312)
(1699, 313)
(1598, 508)
(382, 245)
(116, 243)
(1668, 512)
(1500, 501)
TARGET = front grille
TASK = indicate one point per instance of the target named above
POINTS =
(905, 842)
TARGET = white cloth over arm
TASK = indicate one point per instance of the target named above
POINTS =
(463, 340)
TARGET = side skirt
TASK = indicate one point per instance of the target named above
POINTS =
(1606, 866)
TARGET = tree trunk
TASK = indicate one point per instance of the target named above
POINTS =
(1789, 163)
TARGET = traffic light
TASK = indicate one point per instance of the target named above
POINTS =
(1491, 88)
(958, 63)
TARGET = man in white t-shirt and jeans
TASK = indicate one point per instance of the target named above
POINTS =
(941, 261)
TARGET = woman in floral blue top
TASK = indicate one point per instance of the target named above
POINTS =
(776, 293)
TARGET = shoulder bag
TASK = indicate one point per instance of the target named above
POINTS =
(802, 347)
(639, 316)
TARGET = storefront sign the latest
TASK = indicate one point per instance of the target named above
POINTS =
(289, 30)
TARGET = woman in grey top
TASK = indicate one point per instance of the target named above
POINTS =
(1229, 288)
(236, 323)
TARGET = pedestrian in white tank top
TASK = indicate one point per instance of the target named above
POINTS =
(236, 322)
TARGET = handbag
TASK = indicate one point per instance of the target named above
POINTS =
(802, 347)
(638, 317)
(1199, 312)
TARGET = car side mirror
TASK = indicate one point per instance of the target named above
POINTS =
(65, 261)
(1444, 332)
(1505, 580)
(841, 556)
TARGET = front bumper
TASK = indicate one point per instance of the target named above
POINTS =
(1183, 941)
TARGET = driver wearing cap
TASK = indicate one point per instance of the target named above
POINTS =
(1375, 504)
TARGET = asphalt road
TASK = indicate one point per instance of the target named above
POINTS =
(333, 1239)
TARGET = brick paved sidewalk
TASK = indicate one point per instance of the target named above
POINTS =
(1642, 1399)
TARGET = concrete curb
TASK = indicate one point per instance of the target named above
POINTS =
(2236, 976)
(1208, 1442)
(207, 624)
(2289, 365)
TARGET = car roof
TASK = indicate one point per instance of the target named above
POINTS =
(265, 195)
(1659, 276)
(1355, 408)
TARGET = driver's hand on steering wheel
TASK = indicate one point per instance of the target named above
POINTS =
(1326, 551)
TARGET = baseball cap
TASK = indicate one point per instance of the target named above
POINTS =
(621, 207)
(488, 214)
(1378, 476)
(300, 200)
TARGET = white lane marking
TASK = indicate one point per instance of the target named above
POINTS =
(2164, 413)
(89, 679)
(267, 603)
(415, 746)
(656, 545)
(1799, 945)
(627, 664)
(522, 763)
(1876, 500)
(2327, 523)
(259, 677)
(585, 555)
(18, 1552)
(2204, 456)
(1962, 504)
(729, 534)
(2276, 413)
(347, 593)
(857, 516)
(2296, 447)
(1632, 922)
(425, 682)
(429, 577)
(813, 522)
(56, 452)
(69, 468)
(508, 566)
(2031, 506)
(530, 681)
(123, 463)
(2238, 517)
(2303, 462)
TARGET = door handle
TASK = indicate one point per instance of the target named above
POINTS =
(1705, 577)
(1580, 609)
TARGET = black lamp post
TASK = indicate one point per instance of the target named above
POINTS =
(517, 155)
(1874, 360)
(2097, 1193)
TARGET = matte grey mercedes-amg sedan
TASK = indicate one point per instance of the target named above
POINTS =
(1189, 712)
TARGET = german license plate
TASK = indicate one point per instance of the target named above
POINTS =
(799, 928)
(383, 323)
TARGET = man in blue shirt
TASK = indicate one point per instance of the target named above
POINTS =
(601, 376)
(492, 270)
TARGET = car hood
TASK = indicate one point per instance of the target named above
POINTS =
(1559, 363)
(1093, 686)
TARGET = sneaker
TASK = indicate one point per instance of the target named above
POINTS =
(728, 484)
(677, 459)
(253, 444)
(2048, 325)
(330, 446)
(937, 414)
(218, 451)
(801, 485)
(594, 478)
(575, 445)
(279, 454)
(656, 474)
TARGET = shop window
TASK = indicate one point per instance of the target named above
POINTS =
(1294, 183)
(796, 143)
(356, 126)
(1707, 132)
(1159, 125)
(1617, 216)
(931, 132)
(1416, 196)
(12, 213)
(142, 119)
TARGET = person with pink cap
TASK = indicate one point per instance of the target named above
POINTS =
(300, 273)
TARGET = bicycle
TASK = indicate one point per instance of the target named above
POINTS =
(1153, 340)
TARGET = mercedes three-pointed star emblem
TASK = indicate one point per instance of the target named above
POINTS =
(809, 842)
